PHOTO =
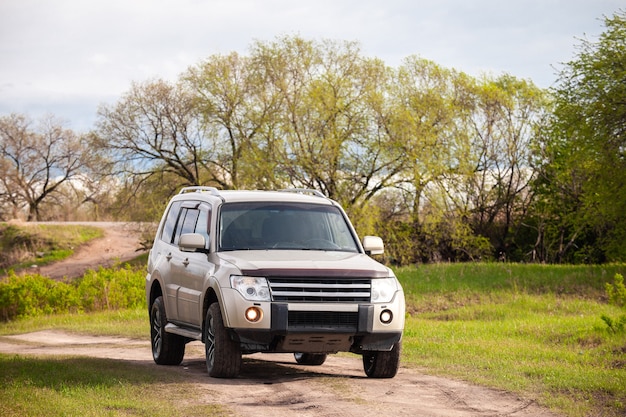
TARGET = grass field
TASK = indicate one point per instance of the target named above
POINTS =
(534, 330)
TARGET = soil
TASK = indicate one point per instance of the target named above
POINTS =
(120, 243)
(273, 384)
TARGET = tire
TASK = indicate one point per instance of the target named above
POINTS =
(314, 359)
(382, 364)
(223, 355)
(167, 348)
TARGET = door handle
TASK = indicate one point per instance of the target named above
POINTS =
(186, 262)
(169, 256)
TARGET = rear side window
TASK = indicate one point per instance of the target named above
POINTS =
(167, 233)
(186, 217)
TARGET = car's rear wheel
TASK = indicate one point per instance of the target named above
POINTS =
(382, 364)
(223, 355)
(314, 359)
(167, 348)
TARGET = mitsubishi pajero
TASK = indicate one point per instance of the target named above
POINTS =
(269, 271)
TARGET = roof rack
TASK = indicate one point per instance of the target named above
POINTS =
(304, 191)
(199, 189)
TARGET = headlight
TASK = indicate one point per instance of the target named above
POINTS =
(383, 290)
(251, 288)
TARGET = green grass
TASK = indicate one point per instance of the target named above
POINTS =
(530, 329)
(533, 330)
(72, 386)
(132, 323)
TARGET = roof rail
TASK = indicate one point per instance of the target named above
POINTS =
(199, 189)
(304, 191)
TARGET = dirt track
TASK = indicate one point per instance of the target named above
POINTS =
(273, 384)
(120, 243)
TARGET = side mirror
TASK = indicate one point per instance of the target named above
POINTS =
(373, 245)
(192, 242)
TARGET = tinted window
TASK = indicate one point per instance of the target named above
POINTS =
(284, 226)
(167, 233)
(187, 222)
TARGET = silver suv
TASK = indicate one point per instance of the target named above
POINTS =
(269, 271)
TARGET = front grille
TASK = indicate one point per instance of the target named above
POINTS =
(320, 290)
(323, 320)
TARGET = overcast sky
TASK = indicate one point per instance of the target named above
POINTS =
(65, 57)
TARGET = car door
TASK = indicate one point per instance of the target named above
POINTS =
(190, 268)
(163, 254)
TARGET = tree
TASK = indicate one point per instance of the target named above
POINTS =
(156, 127)
(583, 180)
(237, 105)
(36, 162)
(333, 102)
(506, 120)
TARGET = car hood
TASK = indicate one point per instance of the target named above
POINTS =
(305, 263)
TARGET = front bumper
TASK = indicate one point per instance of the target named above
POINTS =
(354, 328)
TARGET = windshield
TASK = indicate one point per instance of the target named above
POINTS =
(262, 225)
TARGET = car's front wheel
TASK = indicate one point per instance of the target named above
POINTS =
(223, 355)
(381, 364)
(167, 348)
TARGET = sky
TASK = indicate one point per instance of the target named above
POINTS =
(65, 58)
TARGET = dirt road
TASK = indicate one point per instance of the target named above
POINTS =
(273, 385)
(121, 242)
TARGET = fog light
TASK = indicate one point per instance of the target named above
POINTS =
(254, 314)
(386, 316)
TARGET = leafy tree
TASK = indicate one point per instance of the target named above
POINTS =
(238, 107)
(583, 180)
(506, 120)
(332, 101)
(36, 162)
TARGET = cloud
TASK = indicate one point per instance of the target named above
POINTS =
(91, 51)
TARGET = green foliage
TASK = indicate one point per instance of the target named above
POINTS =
(616, 294)
(111, 289)
(32, 295)
(582, 182)
(476, 168)
(106, 289)
(614, 326)
(617, 291)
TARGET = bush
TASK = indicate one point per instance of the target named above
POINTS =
(616, 291)
(616, 294)
(111, 289)
(32, 295)
(105, 289)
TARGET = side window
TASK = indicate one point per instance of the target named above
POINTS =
(187, 222)
(167, 233)
(204, 222)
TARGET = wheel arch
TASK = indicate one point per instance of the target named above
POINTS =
(210, 297)
(155, 292)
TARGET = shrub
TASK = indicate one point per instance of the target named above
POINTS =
(32, 295)
(614, 326)
(112, 289)
(616, 291)
(616, 294)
